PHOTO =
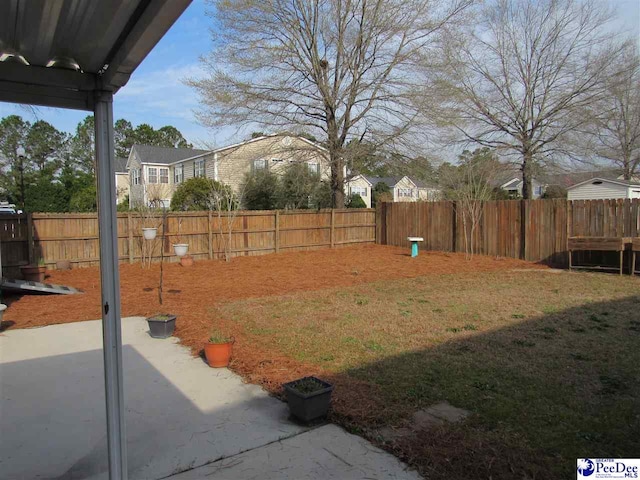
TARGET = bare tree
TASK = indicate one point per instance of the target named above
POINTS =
(615, 130)
(470, 184)
(226, 204)
(340, 69)
(519, 81)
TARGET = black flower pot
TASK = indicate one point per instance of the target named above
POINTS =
(162, 326)
(308, 406)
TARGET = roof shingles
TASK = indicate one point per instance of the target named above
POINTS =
(165, 155)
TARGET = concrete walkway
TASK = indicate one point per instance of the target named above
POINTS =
(184, 420)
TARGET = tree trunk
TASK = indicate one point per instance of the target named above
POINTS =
(527, 180)
(627, 167)
(337, 180)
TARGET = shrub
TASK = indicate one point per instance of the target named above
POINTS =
(202, 193)
(381, 193)
(555, 191)
(84, 200)
(261, 191)
(355, 201)
(299, 185)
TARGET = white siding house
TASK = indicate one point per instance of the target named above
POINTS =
(602, 188)
(514, 187)
(361, 186)
(405, 189)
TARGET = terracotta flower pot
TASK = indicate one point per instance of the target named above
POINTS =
(186, 261)
(33, 273)
(218, 354)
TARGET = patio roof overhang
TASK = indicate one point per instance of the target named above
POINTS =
(76, 54)
(59, 52)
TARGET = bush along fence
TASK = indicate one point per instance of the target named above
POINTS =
(50, 238)
(534, 230)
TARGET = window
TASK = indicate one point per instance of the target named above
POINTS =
(314, 167)
(362, 191)
(405, 192)
(277, 160)
(260, 164)
(198, 168)
(178, 174)
(538, 190)
(153, 175)
(135, 176)
(164, 175)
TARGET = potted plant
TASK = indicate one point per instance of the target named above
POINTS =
(218, 350)
(162, 325)
(149, 233)
(34, 273)
(308, 398)
(179, 248)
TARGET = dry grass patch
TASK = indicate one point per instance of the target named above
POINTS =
(548, 363)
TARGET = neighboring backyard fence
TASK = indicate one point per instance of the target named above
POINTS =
(535, 230)
(31, 238)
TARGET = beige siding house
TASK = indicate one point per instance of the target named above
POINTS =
(122, 180)
(154, 172)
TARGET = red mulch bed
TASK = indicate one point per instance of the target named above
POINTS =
(193, 293)
(189, 292)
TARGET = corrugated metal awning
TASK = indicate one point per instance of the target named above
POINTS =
(58, 52)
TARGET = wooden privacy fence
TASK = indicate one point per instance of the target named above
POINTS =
(30, 238)
(535, 230)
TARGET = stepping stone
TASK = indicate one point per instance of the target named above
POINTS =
(434, 416)
(448, 412)
(438, 414)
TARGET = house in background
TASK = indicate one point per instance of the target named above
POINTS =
(604, 188)
(360, 185)
(405, 189)
(155, 172)
(512, 184)
(122, 179)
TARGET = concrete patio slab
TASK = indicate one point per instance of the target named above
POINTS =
(180, 412)
(323, 453)
(180, 415)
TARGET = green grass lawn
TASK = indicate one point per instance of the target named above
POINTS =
(549, 363)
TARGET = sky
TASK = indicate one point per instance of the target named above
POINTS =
(157, 95)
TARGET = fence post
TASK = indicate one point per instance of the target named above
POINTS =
(277, 231)
(523, 229)
(333, 223)
(210, 236)
(30, 245)
(378, 221)
(130, 230)
(454, 226)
